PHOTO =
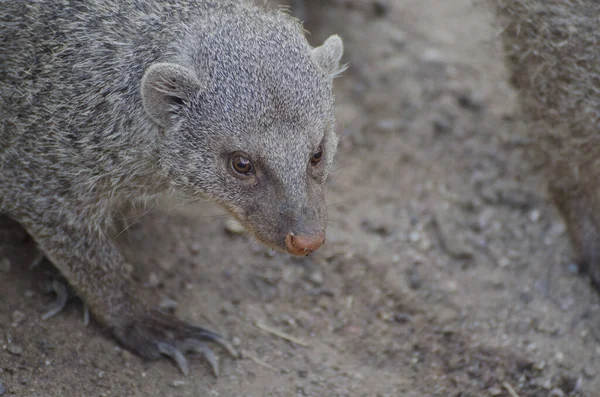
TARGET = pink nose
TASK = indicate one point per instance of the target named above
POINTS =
(304, 245)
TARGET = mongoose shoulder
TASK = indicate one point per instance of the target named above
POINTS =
(551, 51)
(103, 102)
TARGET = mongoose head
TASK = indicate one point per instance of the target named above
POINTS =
(248, 122)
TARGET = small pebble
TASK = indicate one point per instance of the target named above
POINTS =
(234, 227)
(15, 349)
(540, 365)
(451, 286)
(534, 216)
(5, 265)
(317, 277)
(195, 248)
(433, 57)
(589, 372)
(414, 236)
(573, 268)
(494, 391)
(556, 393)
(387, 125)
(442, 124)
(178, 383)
(153, 280)
(526, 297)
(414, 279)
(291, 274)
(402, 318)
(168, 304)
(473, 101)
(126, 355)
(29, 293)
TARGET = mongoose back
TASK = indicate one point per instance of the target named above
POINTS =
(103, 102)
(552, 53)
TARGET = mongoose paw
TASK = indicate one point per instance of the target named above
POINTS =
(160, 334)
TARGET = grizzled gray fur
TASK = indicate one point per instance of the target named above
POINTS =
(103, 102)
(551, 49)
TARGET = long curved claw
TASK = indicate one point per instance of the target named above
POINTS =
(193, 345)
(176, 355)
(202, 333)
(62, 296)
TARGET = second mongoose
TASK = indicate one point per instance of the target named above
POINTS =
(552, 52)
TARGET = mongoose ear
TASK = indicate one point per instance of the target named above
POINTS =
(165, 88)
(329, 54)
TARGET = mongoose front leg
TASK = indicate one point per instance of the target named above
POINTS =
(91, 263)
(581, 210)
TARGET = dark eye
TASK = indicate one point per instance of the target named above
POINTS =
(316, 157)
(242, 165)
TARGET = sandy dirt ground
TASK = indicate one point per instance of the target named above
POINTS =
(447, 271)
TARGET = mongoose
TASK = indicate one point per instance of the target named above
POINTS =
(103, 102)
(552, 53)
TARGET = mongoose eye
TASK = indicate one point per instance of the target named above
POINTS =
(242, 165)
(316, 157)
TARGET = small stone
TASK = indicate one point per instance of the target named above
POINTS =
(5, 265)
(540, 365)
(442, 124)
(317, 277)
(414, 236)
(526, 297)
(29, 293)
(473, 101)
(547, 384)
(18, 316)
(433, 57)
(573, 268)
(15, 349)
(402, 318)
(589, 372)
(503, 263)
(195, 248)
(177, 383)
(494, 391)
(168, 304)
(236, 341)
(451, 286)
(387, 125)
(394, 281)
(127, 356)
(414, 279)
(534, 216)
(559, 357)
(385, 315)
(153, 280)
(453, 242)
(234, 227)
(128, 268)
(291, 274)
(556, 393)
